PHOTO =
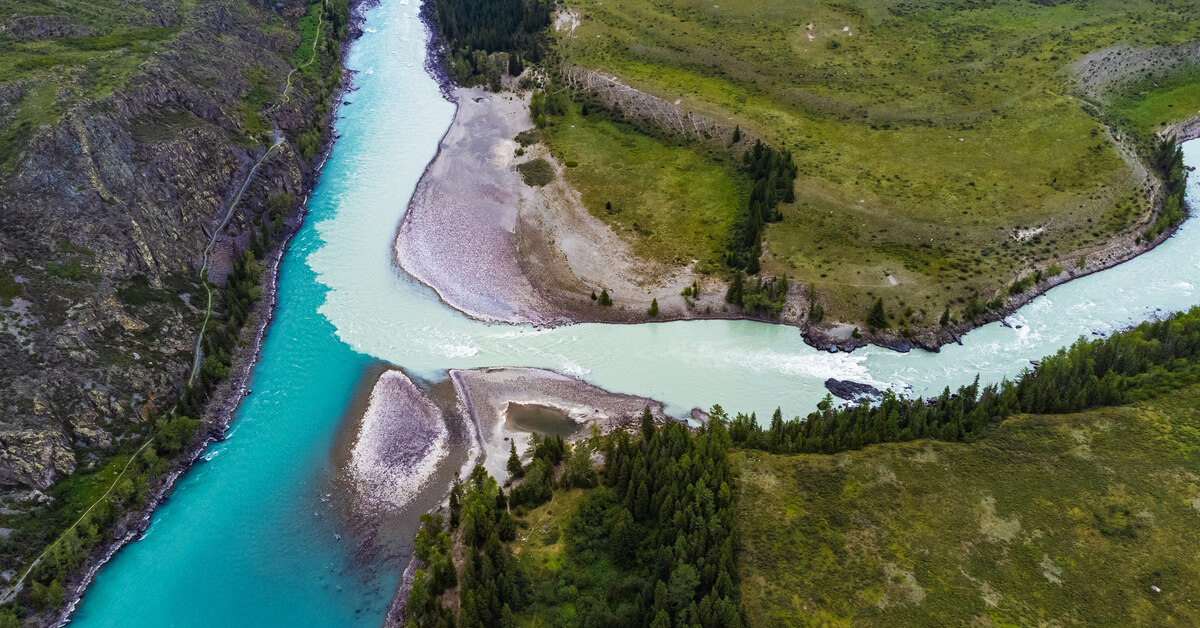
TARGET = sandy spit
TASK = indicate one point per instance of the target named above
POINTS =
(401, 439)
(485, 395)
(501, 251)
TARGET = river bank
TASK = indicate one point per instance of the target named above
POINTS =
(500, 250)
(218, 411)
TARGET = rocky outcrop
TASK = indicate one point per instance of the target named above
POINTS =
(106, 212)
(856, 392)
(30, 27)
(1100, 73)
(650, 109)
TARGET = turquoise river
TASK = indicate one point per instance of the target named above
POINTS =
(251, 538)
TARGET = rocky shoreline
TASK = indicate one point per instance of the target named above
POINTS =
(228, 395)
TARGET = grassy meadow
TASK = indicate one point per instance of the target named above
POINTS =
(1050, 520)
(1148, 106)
(927, 135)
(674, 201)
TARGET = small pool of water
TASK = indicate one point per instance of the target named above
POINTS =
(544, 420)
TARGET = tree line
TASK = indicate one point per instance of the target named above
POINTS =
(473, 30)
(664, 519)
(1153, 357)
(772, 177)
(1167, 161)
(653, 541)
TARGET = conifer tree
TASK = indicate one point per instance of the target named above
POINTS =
(877, 318)
(515, 468)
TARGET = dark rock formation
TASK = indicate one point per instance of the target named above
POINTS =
(852, 391)
(104, 215)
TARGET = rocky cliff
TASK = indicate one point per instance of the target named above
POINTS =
(118, 158)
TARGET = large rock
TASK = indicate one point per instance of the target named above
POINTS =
(852, 391)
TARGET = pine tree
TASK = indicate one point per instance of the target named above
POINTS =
(653, 311)
(647, 425)
(877, 318)
(736, 288)
(515, 468)
(753, 266)
(623, 541)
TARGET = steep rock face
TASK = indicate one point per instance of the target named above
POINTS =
(104, 216)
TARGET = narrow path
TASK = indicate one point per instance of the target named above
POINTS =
(198, 354)
(16, 587)
(287, 86)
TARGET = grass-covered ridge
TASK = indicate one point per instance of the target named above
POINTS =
(55, 54)
(1083, 518)
(941, 148)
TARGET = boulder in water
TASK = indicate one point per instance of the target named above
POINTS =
(852, 391)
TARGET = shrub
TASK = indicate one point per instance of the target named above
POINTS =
(877, 318)
(536, 172)
(9, 289)
(70, 269)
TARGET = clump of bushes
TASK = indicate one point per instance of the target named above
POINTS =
(764, 297)
(537, 172)
(9, 289)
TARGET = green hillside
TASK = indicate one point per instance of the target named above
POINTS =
(943, 147)
(1051, 519)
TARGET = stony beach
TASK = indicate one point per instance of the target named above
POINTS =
(502, 251)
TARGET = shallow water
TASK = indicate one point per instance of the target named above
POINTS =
(536, 418)
(251, 538)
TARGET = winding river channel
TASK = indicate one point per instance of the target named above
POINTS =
(252, 537)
